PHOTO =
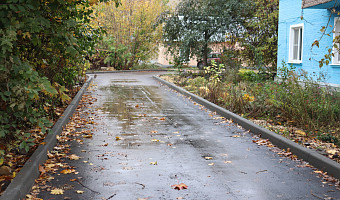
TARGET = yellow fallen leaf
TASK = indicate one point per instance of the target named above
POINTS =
(80, 192)
(299, 132)
(155, 140)
(118, 138)
(236, 136)
(73, 157)
(211, 164)
(87, 136)
(153, 163)
(331, 151)
(227, 162)
(57, 191)
(208, 158)
(68, 171)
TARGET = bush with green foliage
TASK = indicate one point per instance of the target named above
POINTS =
(43, 49)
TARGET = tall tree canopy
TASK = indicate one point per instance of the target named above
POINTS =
(196, 23)
(259, 40)
(132, 31)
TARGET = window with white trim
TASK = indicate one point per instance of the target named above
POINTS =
(295, 43)
(336, 37)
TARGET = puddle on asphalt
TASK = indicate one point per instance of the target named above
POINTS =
(131, 106)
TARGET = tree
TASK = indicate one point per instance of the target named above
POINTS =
(43, 48)
(259, 39)
(132, 34)
(197, 23)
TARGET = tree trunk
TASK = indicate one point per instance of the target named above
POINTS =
(205, 49)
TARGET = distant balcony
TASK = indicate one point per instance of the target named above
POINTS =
(320, 4)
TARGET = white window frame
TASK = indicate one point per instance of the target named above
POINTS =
(299, 44)
(336, 57)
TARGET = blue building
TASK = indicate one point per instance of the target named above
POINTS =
(300, 24)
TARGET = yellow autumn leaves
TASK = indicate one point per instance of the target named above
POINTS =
(133, 25)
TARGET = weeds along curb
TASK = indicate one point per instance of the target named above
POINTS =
(24, 180)
(317, 160)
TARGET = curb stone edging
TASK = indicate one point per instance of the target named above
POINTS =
(24, 180)
(309, 155)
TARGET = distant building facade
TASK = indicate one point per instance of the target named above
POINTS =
(300, 24)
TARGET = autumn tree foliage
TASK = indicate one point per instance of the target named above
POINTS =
(132, 34)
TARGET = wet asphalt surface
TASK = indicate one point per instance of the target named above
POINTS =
(148, 138)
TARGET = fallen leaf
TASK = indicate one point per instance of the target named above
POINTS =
(228, 162)
(181, 186)
(137, 106)
(180, 198)
(162, 119)
(299, 132)
(208, 158)
(236, 136)
(57, 191)
(331, 151)
(49, 155)
(79, 192)
(118, 138)
(153, 163)
(87, 136)
(73, 157)
(42, 170)
(68, 171)
(211, 164)
(155, 140)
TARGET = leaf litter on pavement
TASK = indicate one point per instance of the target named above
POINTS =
(56, 162)
(332, 153)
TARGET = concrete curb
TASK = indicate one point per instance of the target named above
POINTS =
(24, 180)
(317, 160)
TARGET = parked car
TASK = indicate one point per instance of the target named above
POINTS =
(211, 56)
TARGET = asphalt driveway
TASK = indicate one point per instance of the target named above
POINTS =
(147, 138)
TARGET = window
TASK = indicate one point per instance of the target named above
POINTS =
(336, 36)
(295, 43)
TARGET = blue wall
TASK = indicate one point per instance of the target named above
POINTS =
(313, 19)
